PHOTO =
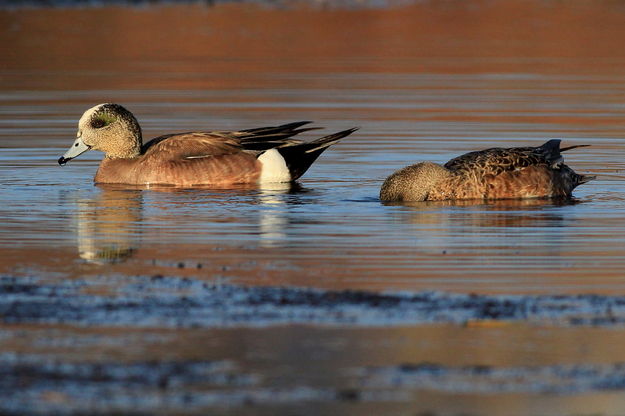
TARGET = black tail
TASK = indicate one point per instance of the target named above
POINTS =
(554, 147)
(564, 149)
(551, 151)
(261, 131)
(300, 156)
(581, 179)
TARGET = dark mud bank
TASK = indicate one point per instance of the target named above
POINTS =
(189, 387)
(172, 302)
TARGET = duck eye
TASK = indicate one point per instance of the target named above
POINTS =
(98, 123)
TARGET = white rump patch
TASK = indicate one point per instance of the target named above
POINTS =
(274, 167)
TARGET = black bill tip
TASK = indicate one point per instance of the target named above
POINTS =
(63, 160)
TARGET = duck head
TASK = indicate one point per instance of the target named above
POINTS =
(109, 128)
(413, 183)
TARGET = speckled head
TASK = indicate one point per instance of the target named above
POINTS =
(413, 183)
(109, 128)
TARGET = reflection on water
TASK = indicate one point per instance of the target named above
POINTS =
(108, 225)
(274, 216)
(504, 213)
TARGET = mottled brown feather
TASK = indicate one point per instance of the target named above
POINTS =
(497, 160)
(538, 181)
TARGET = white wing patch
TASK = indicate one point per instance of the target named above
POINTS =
(274, 167)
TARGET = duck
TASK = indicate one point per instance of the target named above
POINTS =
(490, 174)
(213, 158)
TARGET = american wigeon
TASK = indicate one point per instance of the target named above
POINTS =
(518, 172)
(261, 155)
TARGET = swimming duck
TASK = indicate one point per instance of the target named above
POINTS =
(497, 173)
(216, 158)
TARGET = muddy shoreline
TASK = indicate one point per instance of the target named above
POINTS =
(172, 302)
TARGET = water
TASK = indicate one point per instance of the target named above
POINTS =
(168, 300)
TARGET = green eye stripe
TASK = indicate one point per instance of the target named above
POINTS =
(102, 120)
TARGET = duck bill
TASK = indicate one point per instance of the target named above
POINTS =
(78, 147)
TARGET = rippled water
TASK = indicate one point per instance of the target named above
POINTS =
(423, 81)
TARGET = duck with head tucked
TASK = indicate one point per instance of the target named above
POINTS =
(216, 158)
(497, 173)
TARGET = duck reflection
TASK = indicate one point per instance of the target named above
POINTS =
(109, 225)
(489, 230)
(497, 213)
(274, 215)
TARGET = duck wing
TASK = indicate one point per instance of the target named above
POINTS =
(498, 160)
(194, 145)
